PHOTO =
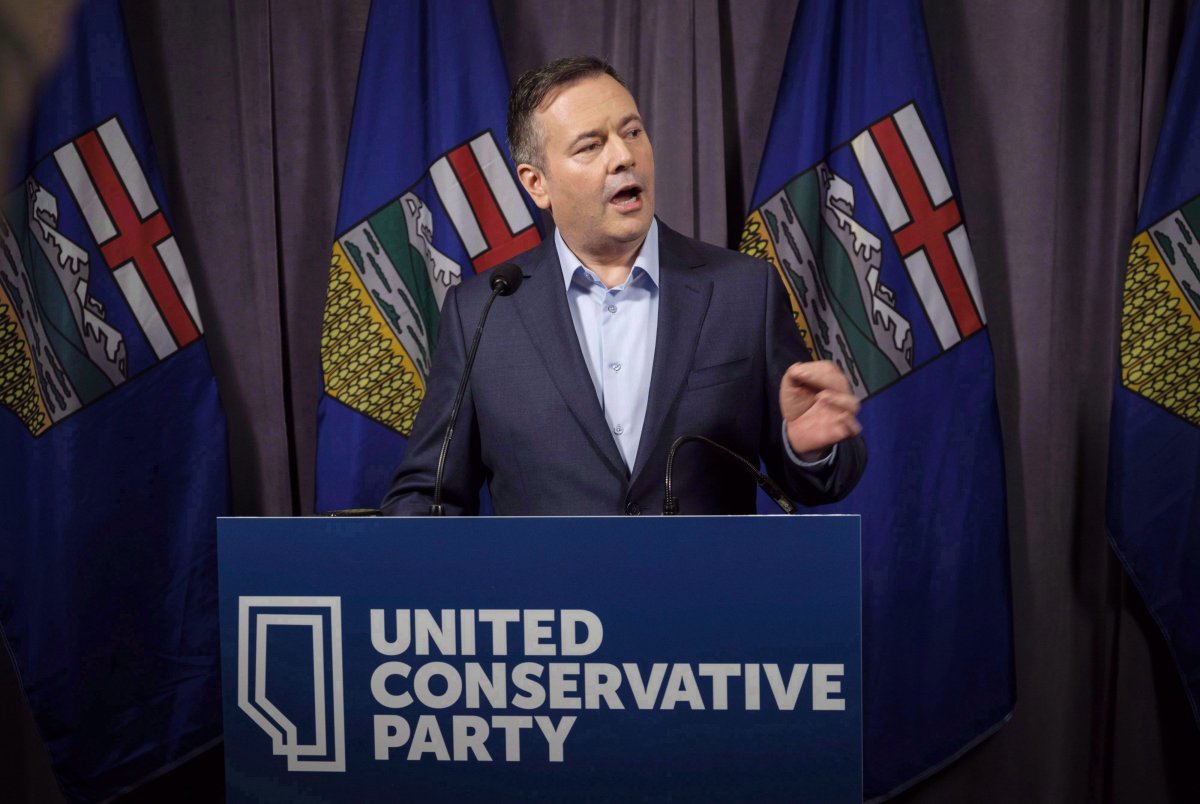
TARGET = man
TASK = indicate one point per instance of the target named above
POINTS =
(623, 336)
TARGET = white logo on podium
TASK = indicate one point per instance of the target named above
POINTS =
(259, 618)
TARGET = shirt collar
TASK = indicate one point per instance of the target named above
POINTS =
(647, 258)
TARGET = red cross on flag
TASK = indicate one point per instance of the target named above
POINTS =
(133, 235)
(910, 185)
(483, 201)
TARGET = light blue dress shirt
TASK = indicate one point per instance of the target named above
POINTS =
(617, 329)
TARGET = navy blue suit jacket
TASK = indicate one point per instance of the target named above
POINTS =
(532, 428)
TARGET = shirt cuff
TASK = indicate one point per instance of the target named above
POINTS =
(821, 464)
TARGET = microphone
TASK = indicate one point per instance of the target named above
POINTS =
(504, 280)
(671, 502)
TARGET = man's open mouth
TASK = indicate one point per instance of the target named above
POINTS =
(628, 196)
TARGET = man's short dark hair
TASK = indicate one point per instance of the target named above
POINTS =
(531, 91)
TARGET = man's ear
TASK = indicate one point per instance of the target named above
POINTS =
(534, 182)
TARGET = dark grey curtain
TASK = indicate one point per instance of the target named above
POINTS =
(1053, 110)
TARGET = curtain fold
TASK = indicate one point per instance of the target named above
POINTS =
(205, 75)
(1048, 108)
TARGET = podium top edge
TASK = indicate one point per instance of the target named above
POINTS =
(618, 517)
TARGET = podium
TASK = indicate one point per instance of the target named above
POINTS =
(554, 659)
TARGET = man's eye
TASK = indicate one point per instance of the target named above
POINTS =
(634, 133)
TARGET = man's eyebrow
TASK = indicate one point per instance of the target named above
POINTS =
(595, 132)
(584, 135)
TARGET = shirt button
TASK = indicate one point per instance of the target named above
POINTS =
(612, 308)
(616, 366)
(618, 429)
(633, 509)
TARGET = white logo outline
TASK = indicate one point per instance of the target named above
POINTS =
(267, 716)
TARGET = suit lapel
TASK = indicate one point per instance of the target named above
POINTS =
(542, 306)
(682, 304)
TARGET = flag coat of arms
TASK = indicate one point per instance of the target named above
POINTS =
(856, 207)
(429, 199)
(114, 464)
(1154, 457)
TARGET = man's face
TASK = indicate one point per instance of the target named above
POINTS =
(597, 178)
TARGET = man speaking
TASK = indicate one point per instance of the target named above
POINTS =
(624, 336)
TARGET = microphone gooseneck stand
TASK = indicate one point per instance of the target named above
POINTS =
(505, 279)
(671, 502)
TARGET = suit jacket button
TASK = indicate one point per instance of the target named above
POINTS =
(633, 509)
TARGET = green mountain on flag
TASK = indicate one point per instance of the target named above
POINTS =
(387, 282)
(830, 265)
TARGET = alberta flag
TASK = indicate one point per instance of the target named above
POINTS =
(429, 199)
(113, 462)
(1154, 454)
(856, 207)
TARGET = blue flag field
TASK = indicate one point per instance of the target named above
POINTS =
(1154, 453)
(429, 199)
(856, 206)
(113, 440)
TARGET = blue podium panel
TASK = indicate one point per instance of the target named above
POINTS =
(551, 659)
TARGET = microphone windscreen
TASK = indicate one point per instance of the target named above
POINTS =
(508, 277)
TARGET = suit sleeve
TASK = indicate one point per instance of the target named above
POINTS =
(411, 491)
(784, 346)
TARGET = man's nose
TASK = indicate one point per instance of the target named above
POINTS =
(620, 156)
